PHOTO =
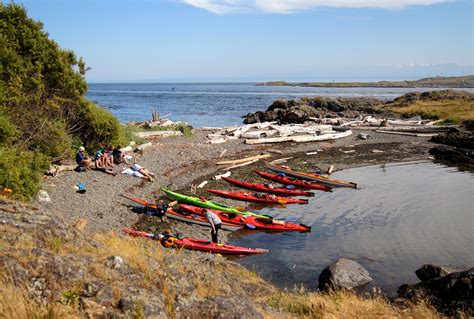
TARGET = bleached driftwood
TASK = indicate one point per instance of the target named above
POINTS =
(56, 169)
(259, 134)
(281, 160)
(352, 123)
(405, 122)
(419, 129)
(408, 133)
(247, 127)
(152, 134)
(202, 184)
(287, 130)
(243, 160)
(300, 138)
(218, 177)
(242, 164)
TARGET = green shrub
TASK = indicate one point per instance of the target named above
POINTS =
(7, 130)
(21, 171)
(129, 130)
(185, 129)
(99, 127)
(53, 140)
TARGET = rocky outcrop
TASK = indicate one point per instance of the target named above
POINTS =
(455, 138)
(457, 146)
(450, 294)
(430, 271)
(442, 95)
(343, 274)
(53, 268)
(301, 110)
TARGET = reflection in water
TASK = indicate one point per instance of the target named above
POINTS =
(402, 217)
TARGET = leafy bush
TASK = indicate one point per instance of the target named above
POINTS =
(7, 130)
(21, 171)
(42, 91)
(185, 129)
(130, 129)
(99, 127)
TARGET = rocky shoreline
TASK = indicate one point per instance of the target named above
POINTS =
(181, 163)
(184, 161)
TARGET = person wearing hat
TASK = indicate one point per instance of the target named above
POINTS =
(82, 160)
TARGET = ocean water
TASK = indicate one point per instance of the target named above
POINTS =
(209, 104)
(402, 216)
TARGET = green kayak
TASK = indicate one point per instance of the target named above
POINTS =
(206, 203)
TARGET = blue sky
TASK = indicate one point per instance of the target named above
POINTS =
(256, 40)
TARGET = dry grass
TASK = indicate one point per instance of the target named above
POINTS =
(454, 111)
(344, 305)
(169, 295)
(136, 252)
(206, 286)
(15, 303)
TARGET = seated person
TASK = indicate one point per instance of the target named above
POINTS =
(82, 160)
(110, 159)
(119, 156)
(101, 163)
(161, 209)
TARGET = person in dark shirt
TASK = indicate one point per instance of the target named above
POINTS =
(119, 156)
(161, 209)
(82, 160)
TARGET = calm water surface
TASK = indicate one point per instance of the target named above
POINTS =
(209, 104)
(402, 217)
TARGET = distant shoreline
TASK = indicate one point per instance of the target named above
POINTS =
(435, 82)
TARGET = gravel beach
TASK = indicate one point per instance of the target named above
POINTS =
(180, 162)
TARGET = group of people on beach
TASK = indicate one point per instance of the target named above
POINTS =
(105, 160)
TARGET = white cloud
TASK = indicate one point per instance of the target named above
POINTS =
(289, 6)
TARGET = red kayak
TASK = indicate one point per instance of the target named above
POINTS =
(293, 181)
(251, 222)
(197, 244)
(266, 189)
(198, 219)
(264, 199)
(190, 218)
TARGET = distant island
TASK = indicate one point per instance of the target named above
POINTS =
(434, 82)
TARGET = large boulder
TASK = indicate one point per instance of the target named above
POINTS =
(453, 154)
(343, 274)
(449, 294)
(430, 271)
(456, 138)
